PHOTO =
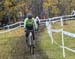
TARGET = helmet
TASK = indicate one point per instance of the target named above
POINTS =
(29, 16)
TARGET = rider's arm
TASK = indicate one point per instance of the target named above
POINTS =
(25, 22)
(35, 24)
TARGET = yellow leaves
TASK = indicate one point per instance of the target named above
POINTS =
(55, 10)
(15, 33)
(51, 3)
(7, 3)
(2, 13)
(47, 3)
(73, 3)
(19, 32)
(21, 4)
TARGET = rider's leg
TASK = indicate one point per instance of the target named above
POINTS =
(33, 35)
(33, 38)
(38, 25)
(27, 33)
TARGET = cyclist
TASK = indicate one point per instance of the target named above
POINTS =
(38, 22)
(73, 12)
(30, 24)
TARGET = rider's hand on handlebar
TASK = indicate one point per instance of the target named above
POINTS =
(25, 30)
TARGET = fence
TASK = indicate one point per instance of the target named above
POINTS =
(48, 25)
(12, 42)
(62, 18)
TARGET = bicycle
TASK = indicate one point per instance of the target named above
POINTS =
(30, 42)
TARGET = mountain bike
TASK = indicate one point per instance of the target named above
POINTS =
(30, 42)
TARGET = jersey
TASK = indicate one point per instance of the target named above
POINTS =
(30, 22)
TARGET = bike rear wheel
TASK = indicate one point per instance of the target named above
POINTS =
(31, 43)
(31, 49)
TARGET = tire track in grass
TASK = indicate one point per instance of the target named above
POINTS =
(39, 54)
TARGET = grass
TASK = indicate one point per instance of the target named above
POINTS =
(12, 44)
(11, 34)
(54, 51)
(69, 26)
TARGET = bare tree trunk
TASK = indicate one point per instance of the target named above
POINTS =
(37, 7)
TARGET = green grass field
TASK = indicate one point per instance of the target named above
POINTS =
(12, 44)
(54, 51)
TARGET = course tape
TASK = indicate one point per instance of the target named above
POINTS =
(55, 30)
(21, 23)
(64, 32)
(13, 24)
(69, 34)
(9, 30)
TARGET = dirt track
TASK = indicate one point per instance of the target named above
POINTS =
(16, 48)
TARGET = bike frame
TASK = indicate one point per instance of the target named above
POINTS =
(30, 38)
(30, 42)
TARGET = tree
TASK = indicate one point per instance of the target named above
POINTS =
(10, 8)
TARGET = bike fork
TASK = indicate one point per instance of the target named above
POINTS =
(31, 49)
